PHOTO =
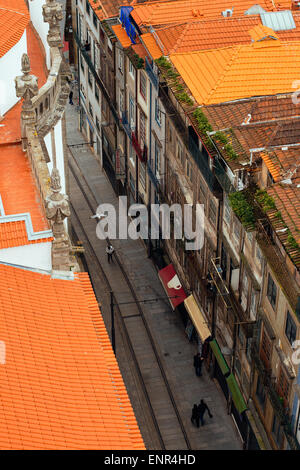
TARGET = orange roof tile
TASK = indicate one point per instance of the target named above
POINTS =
(10, 130)
(14, 18)
(61, 387)
(214, 33)
(179, 11)
(121, 35)
(17, 186)
(227, 74)
(261, 32)
(151, 45)
(14, 234)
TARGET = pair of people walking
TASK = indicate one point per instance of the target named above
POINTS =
(198, 412)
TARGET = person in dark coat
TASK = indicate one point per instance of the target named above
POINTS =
(198, 364)
(195, 416)
(109, 250)
(202, 407)
(71, 97)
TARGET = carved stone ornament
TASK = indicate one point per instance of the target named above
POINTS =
(52, 14)
(57, 209)
(26, 88)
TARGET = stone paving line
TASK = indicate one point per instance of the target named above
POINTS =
(175, 350)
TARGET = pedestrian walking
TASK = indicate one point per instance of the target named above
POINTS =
(198, 364)
(202, 407)
(71, 97)
(109, 250)
(195, 416)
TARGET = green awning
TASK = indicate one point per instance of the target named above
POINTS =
(237, 397)
(219, 356)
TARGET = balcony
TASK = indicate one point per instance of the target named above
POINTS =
(172, 112)
(126, 125)
(153, 77)
(98, 80)
(142, 153)
(234, 311)
(266, 240)
(222, 177)
(201, 160)
(153, 176)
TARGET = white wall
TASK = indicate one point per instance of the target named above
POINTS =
(59, 153)
(59, 156)
(10, 68)
(36, 15)
(35, 256)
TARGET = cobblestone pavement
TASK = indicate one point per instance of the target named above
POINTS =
(166, 326)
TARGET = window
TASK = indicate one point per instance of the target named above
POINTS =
(109, 46)
(142, 127)
(97, 123)
(180, 153)
(212, 212)
(143, 175)
(202, 193)
(121, 61)
(260, 392)
(131, 156)
(131, 69)
(96, 92)
(143, 85)
(131, 112)
(90, 80)
(283, 386)
(87, 7)
(266, 349)
(121, 101)
(277, 431)
(157, 112)
(91, 110)
(290, 328)
(95, 20)
(189, 170)
(248, 348)
(227, 210)
(272, 292)
(236, 229)
(102, 36)
(157, 157)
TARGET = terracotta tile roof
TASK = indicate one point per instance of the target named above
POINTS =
(285, 218)
(139, 50)
(232, 73)
(10, 130)
(121, 35)
(151, 45)
(215, 33)
(14, 18)
(179, 11)
(261, 32)
(261, 109)
(61, 387)
(18, 189)
(17, 186)
(14, 234)
(283, 164)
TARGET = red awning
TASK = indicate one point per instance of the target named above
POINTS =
(172, 285)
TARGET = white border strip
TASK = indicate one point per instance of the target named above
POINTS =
(26, 217)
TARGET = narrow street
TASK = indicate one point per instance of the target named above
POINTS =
(165, 326)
